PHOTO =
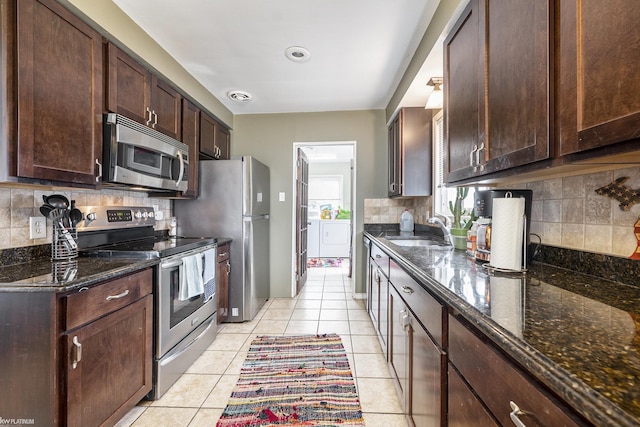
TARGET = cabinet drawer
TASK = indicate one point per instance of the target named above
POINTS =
(497, 381)
(464, 407)
(381, 259)
(223, 252)
(84, 306)
(427, 310)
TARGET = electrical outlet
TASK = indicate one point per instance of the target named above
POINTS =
(37, 227)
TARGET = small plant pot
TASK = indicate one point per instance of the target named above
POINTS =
(459, 237)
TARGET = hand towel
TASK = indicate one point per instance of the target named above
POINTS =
(191, 284)
(209, 274)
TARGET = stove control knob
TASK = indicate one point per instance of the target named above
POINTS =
(91, 216)
(145, 214)
(138, 214)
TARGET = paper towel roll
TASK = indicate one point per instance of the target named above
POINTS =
(506, 303)
(507, 233)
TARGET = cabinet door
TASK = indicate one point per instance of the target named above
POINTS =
(223, 141)
(128, 86)
(191, 136)
(464, 95)
(518, 34)
(394, 158)
(374, 292)
(166, 109)
(398, 342)
(427, 365)
(208, 136)
(108, 365)
(222, 282)
(60, 94)
(599, 90)
(464, 407)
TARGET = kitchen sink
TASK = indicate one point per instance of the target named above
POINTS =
(420, 242)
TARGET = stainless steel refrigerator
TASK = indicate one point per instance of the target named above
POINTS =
(234, 202)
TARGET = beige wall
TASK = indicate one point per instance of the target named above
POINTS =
(270, 138)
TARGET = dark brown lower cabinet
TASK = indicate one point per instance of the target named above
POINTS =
(417, 363)
(77, 359)
(222, 281)
(497, 382)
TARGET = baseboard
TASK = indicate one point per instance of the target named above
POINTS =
(359, 296)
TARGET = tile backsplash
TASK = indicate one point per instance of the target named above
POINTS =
(17, 204)
(388, 211)
(566, 212)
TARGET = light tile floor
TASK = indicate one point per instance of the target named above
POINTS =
(325, 305)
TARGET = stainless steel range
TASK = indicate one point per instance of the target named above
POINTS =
(184, 325)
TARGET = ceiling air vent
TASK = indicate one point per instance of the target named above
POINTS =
(239, 96)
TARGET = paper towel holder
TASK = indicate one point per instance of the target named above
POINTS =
(523, 268)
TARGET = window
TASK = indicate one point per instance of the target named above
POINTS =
(325, 190)
(442, 194)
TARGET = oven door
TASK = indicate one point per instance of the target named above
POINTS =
(175, 319)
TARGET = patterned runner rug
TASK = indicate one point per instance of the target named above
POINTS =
(324, 262)
(294, 381)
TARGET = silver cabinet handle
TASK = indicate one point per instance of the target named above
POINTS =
(78, 352)
(228, 268)
(149, 119)
(155, 119)
(120, 295)
(407, 290)
(99, 176)
(471, 163)
(480, 165)
(223, 254)
(515, 411)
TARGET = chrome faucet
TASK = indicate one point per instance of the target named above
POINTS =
(445, 231)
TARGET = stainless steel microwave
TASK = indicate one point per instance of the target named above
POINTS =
(142, 157)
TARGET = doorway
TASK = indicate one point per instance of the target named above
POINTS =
(324, 206)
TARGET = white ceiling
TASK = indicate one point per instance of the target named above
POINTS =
(359, 49)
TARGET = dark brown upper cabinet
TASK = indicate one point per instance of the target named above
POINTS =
(58, 92)
(191, 137)
(598, 87)
(214, 139)
(410, 153)
(135, 92)
(497, 87)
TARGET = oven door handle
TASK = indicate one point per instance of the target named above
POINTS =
(186, 347)
(175, 263)
(171, 264)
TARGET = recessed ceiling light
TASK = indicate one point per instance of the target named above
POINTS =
(239, 96)
(297, 54)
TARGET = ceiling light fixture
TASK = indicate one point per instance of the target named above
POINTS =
(435, 99)
(239, 96)
(297, 54)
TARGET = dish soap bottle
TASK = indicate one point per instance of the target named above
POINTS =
(406, 221)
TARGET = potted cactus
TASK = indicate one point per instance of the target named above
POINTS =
(460, 227)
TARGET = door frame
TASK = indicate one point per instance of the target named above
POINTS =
(294, 205)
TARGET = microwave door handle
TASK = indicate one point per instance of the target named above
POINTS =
(179, 154)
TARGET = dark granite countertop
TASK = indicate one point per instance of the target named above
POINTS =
(577, 334)
(43, 275)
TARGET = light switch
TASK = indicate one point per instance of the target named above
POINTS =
(281, 196)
